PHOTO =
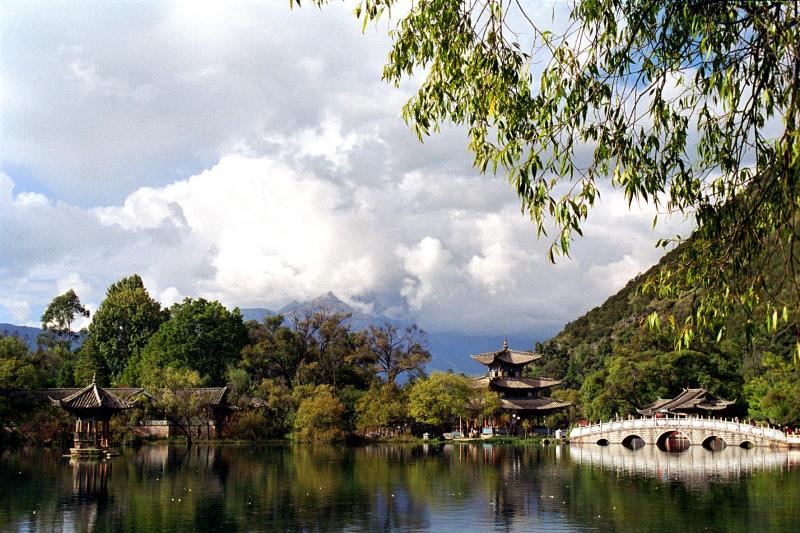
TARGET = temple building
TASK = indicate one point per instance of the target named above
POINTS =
(691, 402)
(520, 397)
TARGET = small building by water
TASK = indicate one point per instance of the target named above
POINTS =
(92, 407)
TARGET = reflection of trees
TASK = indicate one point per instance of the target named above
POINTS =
(381, 487)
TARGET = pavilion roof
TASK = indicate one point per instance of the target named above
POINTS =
(533, 404)
(516, 383)
(93, 397)
(506, 355)
(55, 394)
(689, 399)
(208, 396)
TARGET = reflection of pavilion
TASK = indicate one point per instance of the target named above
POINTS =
(90, 478)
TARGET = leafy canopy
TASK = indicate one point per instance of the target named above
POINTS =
(200, 335)
(58, 318)
(124, 322)
(691, 106)
(440, 398)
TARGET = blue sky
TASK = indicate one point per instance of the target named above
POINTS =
(251, 154)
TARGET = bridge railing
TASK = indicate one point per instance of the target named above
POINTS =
(714, 424)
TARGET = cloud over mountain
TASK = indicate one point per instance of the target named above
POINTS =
(253, 155)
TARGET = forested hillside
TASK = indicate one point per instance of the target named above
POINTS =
(612, 362)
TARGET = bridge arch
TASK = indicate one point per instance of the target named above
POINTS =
(714, 443)
(633, 442)
(674, 441)
(746, 444)
(602, 442)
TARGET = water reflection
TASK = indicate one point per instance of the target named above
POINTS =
(410, 488)
(695, 463)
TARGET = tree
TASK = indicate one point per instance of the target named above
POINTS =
(58, 318)
(772, 395)
(89, 365)
(382, 407)
(484, 404)
(171, 399)
(199, 335)
(273, 351)
(124, 322)
(320, 417)
(394, 351)
(440, 399)
(692, 107)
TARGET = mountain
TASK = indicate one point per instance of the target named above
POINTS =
(619, 364)
(26, 333)
(256, 313)
(331, 304)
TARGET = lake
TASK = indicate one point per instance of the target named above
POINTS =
(455, 488)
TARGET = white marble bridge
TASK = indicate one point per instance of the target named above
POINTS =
(699, 431)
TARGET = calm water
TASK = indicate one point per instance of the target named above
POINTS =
(410, 488)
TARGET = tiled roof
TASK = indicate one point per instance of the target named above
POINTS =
(533, 404)
(517, 383)
(513, 357)
(687, 400)
(124, 393)
(209, 396)
(93, 397)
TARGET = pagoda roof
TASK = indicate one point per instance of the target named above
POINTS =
(93, 397)
(506, 355)
(533, 404)
(516, 383)
(689, 399)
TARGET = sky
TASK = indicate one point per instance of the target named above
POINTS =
(251, 153)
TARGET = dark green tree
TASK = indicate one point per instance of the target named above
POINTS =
(58, 318)
(123, 323)
(692, 107)
(274, 351)
(199, 335)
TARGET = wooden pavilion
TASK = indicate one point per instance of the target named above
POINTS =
(92, 407)
(520, 397)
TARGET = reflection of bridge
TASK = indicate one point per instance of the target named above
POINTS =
(696, 430)
(695, 465)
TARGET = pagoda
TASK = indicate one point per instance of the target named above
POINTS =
(519, 396)
(92, 407)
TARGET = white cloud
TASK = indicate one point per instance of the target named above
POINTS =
(257, 158)
(18, 310)
(427, 264)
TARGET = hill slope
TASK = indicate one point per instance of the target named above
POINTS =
(619, 364)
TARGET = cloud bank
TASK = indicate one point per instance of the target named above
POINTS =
(251, 154)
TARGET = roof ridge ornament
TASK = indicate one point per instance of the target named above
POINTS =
(505, 343)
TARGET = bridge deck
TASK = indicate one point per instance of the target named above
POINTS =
(697, 430)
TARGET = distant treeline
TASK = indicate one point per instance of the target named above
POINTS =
(308, 377)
